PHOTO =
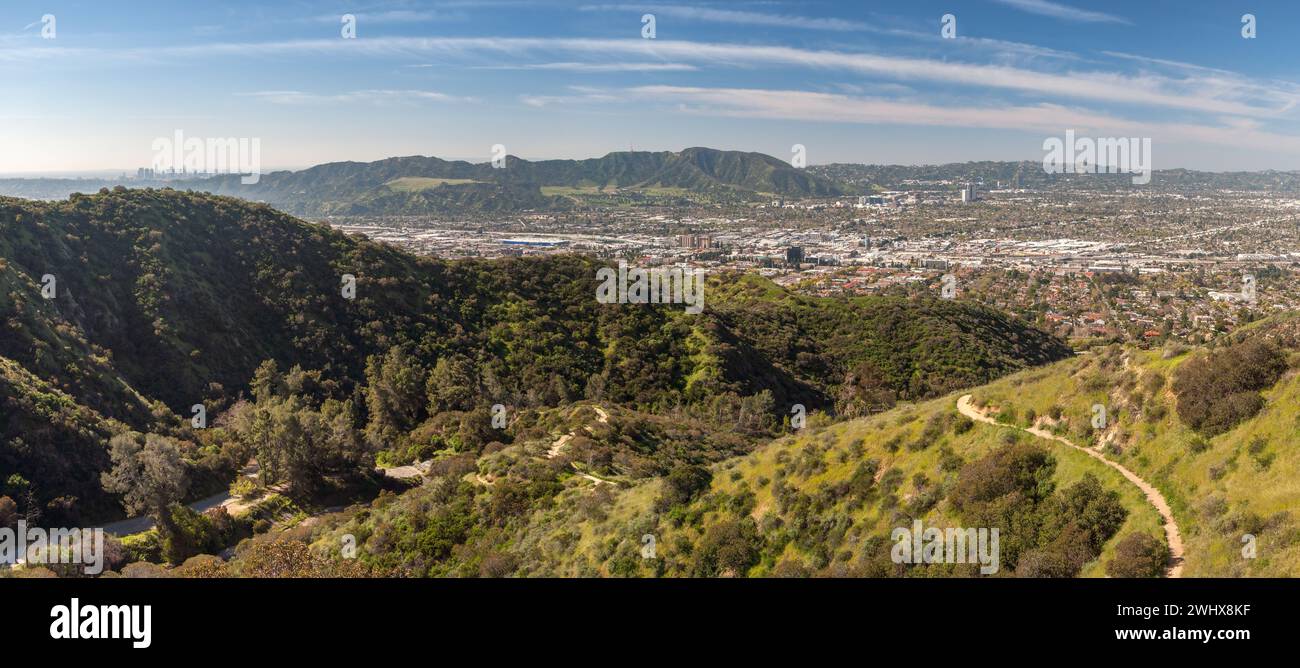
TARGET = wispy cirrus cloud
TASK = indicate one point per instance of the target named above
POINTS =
(739, 17)
(848, 108)
(604, 67)
(1185, 92)
(1057, 10)
(1190, 91)
(1164, 62)
(1005, 47)
(579, 95)
(369, 96)
(394, 16)
(1050, 119)
(736, 17)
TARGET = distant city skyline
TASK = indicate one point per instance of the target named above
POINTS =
(89, 86)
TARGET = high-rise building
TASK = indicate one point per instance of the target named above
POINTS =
(695, 241)
(794, 255)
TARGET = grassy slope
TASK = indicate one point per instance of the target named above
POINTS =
(907, 423)
(417, 183)
(1158, 450)
(876, 431)
(567, 539)
(1213, 511)
(1148, 438)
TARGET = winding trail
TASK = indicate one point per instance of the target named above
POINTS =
(1154, 497)
(558, 446)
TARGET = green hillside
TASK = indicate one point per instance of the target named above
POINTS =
(1223, 483)
(823, 502)
(167, 299)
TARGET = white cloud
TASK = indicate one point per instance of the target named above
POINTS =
(391, 16)
(737, 17)
(370, 96)
(1059, 11)
(1191, 91)
(606, 67)
(838, 108)
(581, 94)
(833, 24)
(1049, 119)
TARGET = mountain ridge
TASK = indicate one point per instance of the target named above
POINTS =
(348, 187)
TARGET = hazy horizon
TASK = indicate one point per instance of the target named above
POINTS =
(129, 173)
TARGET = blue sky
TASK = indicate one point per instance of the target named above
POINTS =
(856, 81)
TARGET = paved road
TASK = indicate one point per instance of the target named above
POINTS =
(1154, 497)
(235, 506)
(137, 524)
(409, 471)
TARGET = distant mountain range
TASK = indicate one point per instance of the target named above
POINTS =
(423, 185)
(418, 185)
(414, 185)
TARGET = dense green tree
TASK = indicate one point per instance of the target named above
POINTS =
(683, 484)
(453, 385)
(1138, 555)
(1218, 390)
(1097, 513)
(864, 391)
(1022, 468)
(730, 547)
(150, 475)
(298, 443)
(395, 394)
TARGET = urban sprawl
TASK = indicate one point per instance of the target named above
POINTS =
(1140, 265)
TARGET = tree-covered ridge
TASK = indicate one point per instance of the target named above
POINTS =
(855, 353)
(166, 299)
(368, 188)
